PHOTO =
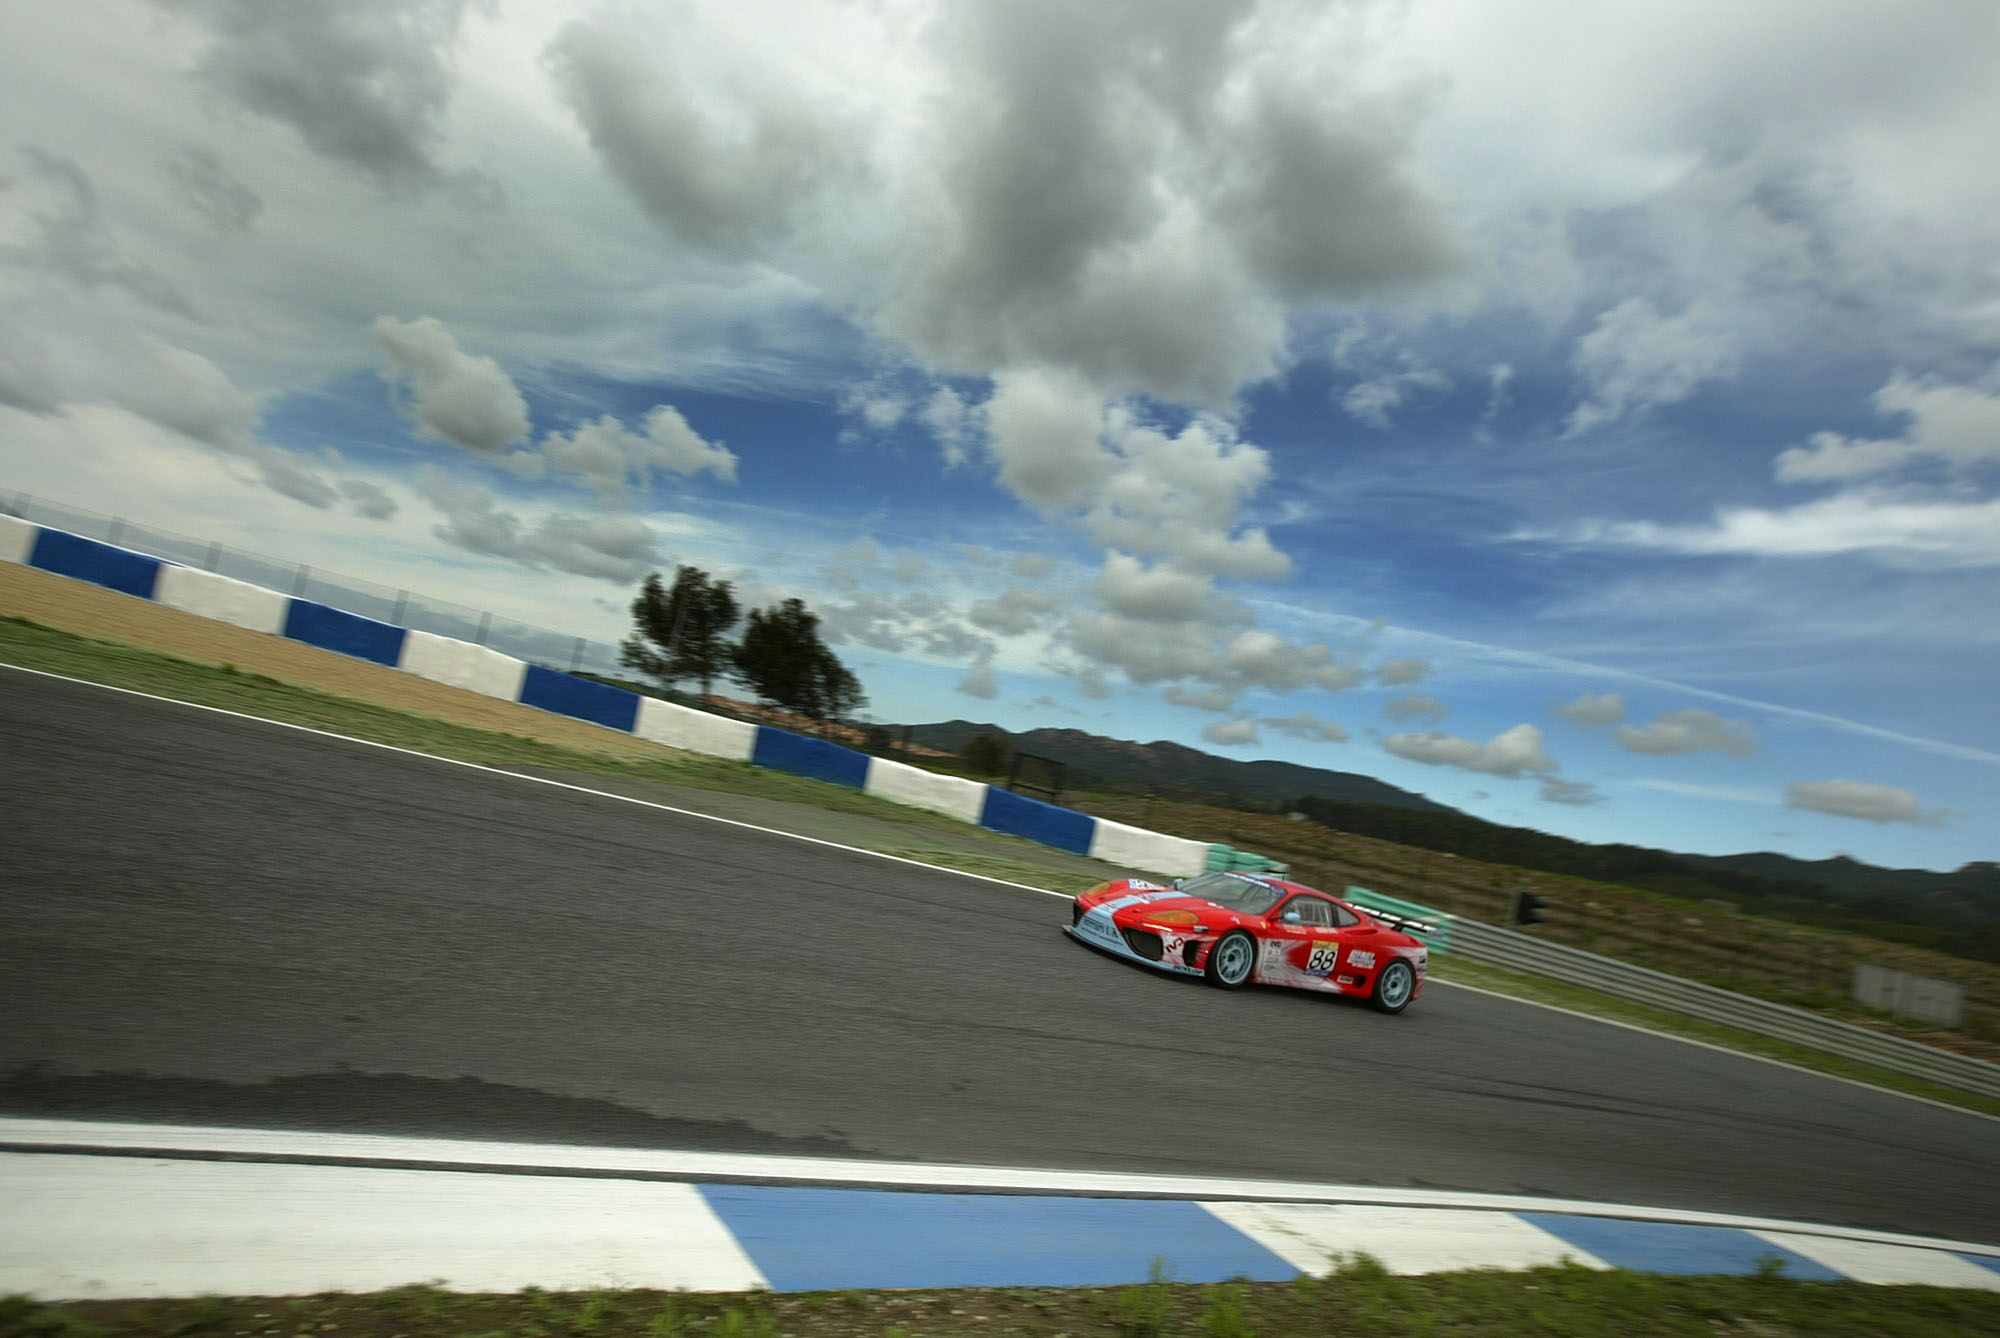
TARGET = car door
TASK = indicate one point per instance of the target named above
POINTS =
(1302, 942)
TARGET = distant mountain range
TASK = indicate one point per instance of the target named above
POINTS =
(1956, 912)
(1171, 770)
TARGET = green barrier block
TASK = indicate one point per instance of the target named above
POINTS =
(1369, 901)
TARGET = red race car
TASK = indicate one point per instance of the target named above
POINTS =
(1240, 928)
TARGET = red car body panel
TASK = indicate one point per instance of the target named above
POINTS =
(1136, 919)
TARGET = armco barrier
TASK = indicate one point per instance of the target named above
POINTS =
(695, 731)
(119, 569)
(1063, 828)
(784, 751)
(1514, 951)
(1135, 847)
(237, 603)
(17, 539)
(348, 633)
(953, 796)
(599, 703)
(460, 664)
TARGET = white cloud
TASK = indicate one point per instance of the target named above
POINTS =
(724, 138)
(369, 499)
(1883, 526)
(1180, 496)
(1636, 358)
(1232, 733)
(454, 396)
(610, 458)
(1594, 708)
(1416, 706)
(912, 622)
(1514, 752)
(1693, 730)
(1263, 659)
(1043, 429)
(1305, 725)
(953, 424)
(207, 186)
(1199, 699)
(1182, 188)
(183, 391)
(1373, 401)
(1727, 794)
(1013, 612)
(980, 681)
(1499, 390)
(61, 232)
(1955, 425)
(364, 81)
(1151, 594)
(1397, 673)
(621, 549)
(1576, 794)
(29, 379)
(1863, 800)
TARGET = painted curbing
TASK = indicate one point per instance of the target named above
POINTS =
(89, 1210)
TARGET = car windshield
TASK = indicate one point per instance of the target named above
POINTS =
(1234, 891)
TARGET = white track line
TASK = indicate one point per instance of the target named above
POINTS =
(919, 864)
(276, 1145)
(1711, 1045)
(541, 780)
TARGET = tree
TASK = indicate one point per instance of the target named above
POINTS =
(782, 659)
(682, 632)
(984, 754)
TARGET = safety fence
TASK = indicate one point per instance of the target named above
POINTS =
(483, 669)
(1512, 950)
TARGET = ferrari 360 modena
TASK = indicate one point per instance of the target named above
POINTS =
(1238, 929)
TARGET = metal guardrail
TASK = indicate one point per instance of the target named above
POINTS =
(1513, 951)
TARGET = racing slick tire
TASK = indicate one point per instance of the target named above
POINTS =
(1231, 960)
(1394, 987)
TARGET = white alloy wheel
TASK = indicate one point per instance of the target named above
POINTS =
(1394, 986)
(1231, 960)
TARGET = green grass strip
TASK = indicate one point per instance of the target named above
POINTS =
(1358, 1298)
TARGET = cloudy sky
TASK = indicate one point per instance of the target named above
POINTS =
(1587, 415)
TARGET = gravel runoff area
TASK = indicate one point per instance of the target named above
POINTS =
(93, 611)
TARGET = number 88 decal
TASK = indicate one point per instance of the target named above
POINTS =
(1323, 957)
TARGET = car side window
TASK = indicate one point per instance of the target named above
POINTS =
(1311, 910)
(1342, 917)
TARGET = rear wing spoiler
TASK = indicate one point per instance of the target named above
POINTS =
(1406, 924)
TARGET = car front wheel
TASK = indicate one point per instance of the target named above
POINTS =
(1232, 959)
(1395, 987)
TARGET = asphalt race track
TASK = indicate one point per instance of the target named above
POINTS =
(211, 920)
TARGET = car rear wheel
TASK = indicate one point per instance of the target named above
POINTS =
(1395, 987)
(1232, 959)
